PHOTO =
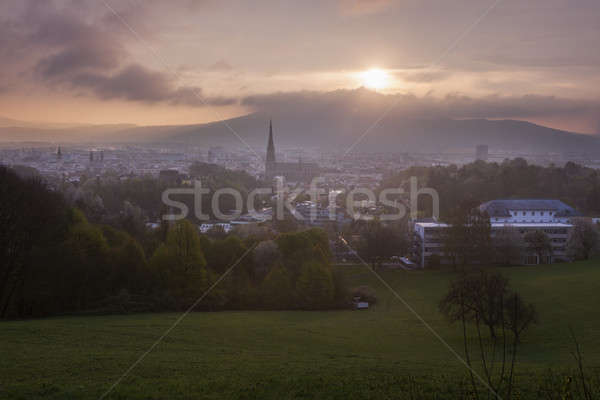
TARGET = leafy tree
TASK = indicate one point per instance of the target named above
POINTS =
(266, 256)
(180, 265)
(583, 241)
(31, 217)
(379, 242)
(315, 286)
(223, 253)
(277, 290)
(85, 257)
(298, 248)
(129, 267)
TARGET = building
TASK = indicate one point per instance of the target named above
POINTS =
(522, 215)
(296, 172)
(317, 215)
(529, 211)
(481, 152)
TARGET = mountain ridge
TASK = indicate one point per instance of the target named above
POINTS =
(330, 132)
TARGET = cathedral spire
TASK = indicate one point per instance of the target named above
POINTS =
(271, 145)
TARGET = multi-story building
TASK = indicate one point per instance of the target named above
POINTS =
(552, 217)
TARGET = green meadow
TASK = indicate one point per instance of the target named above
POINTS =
(383, 352)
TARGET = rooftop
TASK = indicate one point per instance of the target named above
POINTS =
(502, 224)
(500, 208)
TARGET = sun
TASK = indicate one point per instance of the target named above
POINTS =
(375, 78)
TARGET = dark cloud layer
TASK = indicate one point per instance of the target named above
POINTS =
(137, 83)
(364, 102)
(89, 56)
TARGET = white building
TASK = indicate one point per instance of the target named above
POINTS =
(528, 211)
(549, 216)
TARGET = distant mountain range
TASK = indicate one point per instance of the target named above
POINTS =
(326, 131)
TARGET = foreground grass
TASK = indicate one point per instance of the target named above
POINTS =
(384, 352)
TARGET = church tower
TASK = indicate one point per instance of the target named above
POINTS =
(271, 145)
(270, 161)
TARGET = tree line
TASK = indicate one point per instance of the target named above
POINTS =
(57, 261)
(481, 181)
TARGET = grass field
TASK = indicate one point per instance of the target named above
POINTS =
(384, 352)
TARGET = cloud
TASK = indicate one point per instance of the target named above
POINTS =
(138, 83)
(82, 49)
(98, 56)
(363, 7)
(220, 65)
(366, 103)
(426, 76)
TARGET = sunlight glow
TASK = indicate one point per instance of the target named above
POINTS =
(375, 78)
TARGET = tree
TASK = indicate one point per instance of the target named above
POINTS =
(180, 265)
(379, 242)
(477, 298)
(315, 286)
(508, 246)
(222, 254)
(266, 256)
(484, 299)
(297, 248)
(583, 240)
(32, 218)
(538, 243)
(287, 224)
(277, 291)
(518, 315)
(184, 242)
(467, 239)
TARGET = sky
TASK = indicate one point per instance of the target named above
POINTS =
(154, 62)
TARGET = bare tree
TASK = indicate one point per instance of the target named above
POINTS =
(483, 300)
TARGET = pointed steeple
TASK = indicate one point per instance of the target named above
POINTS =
(271, 145)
